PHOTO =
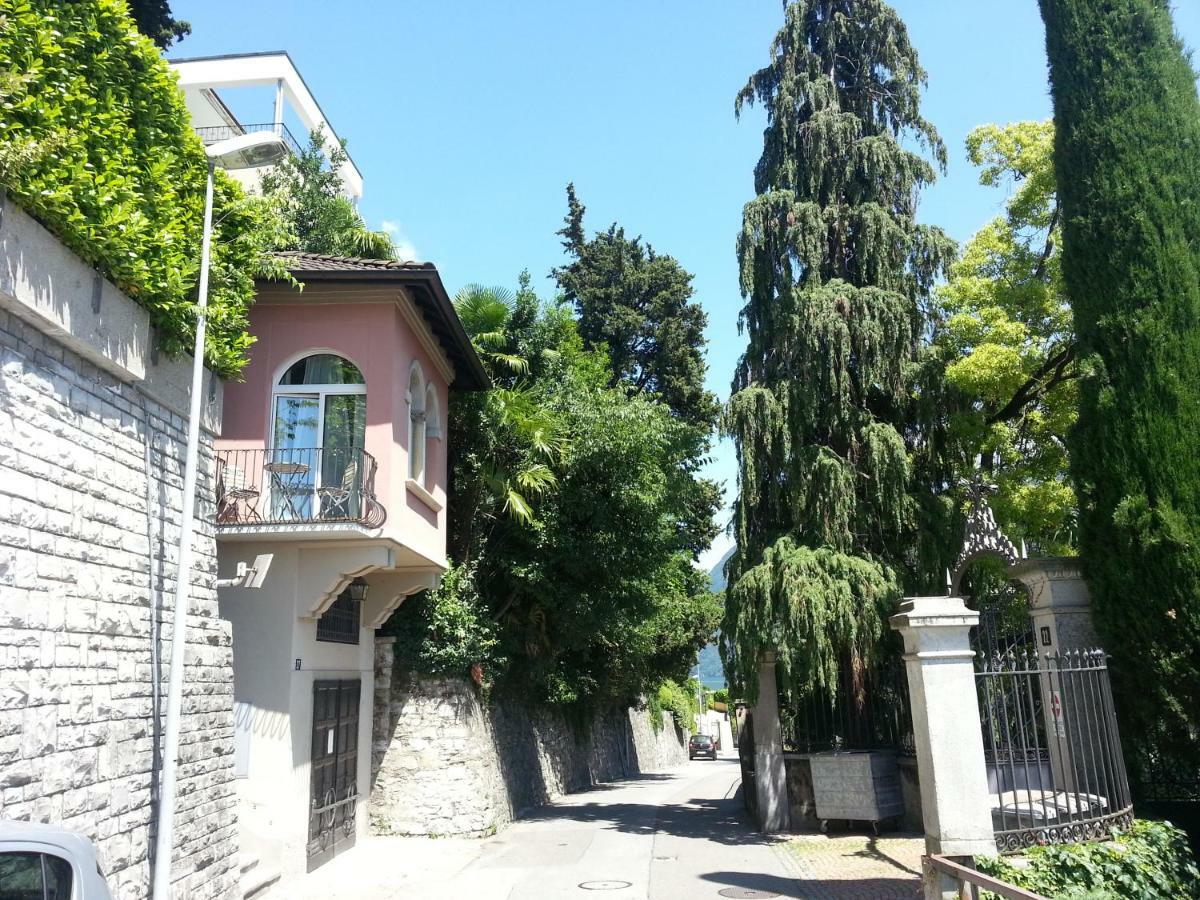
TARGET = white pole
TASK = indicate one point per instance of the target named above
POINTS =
(164, 839)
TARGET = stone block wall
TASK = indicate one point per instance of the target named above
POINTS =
(90, 498)
(445, 763)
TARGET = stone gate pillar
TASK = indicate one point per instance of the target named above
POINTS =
(770, 777)
(1060, 609)
(1060, 603)
(955, 803)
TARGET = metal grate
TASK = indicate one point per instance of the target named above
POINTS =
(873, 714)
(340, 624)
(1053, 751)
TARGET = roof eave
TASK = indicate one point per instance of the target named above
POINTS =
(469, 377)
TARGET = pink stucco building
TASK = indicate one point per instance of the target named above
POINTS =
(332, 459)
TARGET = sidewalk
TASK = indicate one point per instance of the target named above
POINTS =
(855, 866)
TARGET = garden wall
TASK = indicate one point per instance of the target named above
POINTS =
(445, 763)
(91, 448)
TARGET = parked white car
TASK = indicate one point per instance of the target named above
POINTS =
(42, 862)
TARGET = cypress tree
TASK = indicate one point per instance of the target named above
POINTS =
(834, 272)
(1127, 158)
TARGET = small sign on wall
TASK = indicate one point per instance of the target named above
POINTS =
(1056, 711)
(1045, 638)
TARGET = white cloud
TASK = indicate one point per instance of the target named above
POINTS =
(405, 249)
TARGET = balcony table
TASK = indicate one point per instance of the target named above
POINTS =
(283, 479)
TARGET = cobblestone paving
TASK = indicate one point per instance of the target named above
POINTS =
(855, 866)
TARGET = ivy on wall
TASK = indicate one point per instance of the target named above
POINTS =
(97, 144)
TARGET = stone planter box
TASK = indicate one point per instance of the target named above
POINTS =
(856, 786)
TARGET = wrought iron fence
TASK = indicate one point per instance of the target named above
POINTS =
(211, 134)
(1053, 751)
(297, 486)
(873, 714)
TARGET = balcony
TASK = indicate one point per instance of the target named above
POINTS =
(214, 133)
(297, 486)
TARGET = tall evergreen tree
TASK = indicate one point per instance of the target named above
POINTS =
(836, 272)
(1127, 153)
(638, 303)
(154, 19)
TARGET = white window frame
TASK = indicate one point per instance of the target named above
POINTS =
(320, 391)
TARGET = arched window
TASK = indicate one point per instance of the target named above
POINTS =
(433, 425)
(416, 425)
(319, 413)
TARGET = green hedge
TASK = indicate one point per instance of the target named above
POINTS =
(97, 144)
(1151, 861)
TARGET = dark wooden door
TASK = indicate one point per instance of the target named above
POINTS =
(334, 779)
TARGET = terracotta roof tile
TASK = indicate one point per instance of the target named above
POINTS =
(301, 261)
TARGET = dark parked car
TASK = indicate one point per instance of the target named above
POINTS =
(702, 745)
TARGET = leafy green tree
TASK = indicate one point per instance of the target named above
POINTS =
(1127, 150)
(154, 20)
(1008, 341)
(308, 191)
(505, 441)
(638, 304)
(835, 488)
(577, 513)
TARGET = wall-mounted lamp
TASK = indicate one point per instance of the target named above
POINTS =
(358, 589)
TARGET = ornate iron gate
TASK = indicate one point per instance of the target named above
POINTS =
(1053, 751)
(334, 766)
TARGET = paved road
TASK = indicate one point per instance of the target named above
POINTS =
(657, 837)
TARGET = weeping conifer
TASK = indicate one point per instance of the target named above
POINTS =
(834, 271)
(1127, 158)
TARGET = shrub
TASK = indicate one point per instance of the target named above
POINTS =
(1150, 861)
(446, 631)
(679, 701)
(97, 144)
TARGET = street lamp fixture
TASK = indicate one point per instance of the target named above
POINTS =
(247, 151)
(358, 589)
(240, 152)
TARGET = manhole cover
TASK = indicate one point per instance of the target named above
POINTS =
(605, 885)
(747, 894)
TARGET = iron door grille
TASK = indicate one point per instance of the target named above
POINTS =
(334, 767)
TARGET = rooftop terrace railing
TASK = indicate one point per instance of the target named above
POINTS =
(211, 134)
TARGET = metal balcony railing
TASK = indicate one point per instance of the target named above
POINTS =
(212, 133)
(292, 486)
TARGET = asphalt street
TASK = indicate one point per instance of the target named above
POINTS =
(657, 837)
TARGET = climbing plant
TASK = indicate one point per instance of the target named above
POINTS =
(834, 480)
(97, 144)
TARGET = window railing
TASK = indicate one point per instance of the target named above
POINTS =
(289, 485)
(211, 134)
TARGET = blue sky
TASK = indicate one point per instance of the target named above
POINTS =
(468, 118)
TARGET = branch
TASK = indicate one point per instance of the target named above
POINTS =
(1052, 372)
(1040, 271)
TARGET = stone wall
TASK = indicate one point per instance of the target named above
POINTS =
(444, 763)
(91, 449)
